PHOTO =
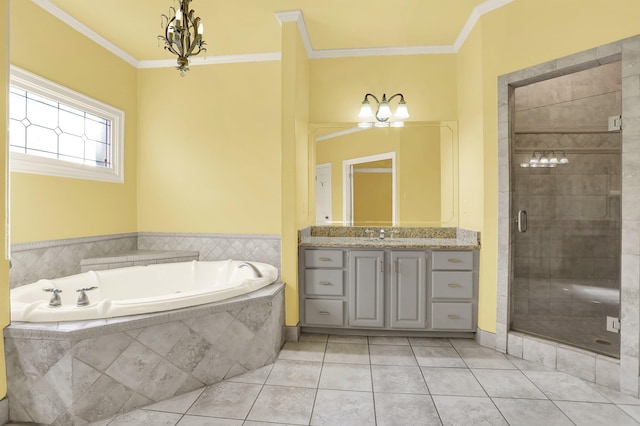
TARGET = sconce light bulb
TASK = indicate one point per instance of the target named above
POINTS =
(564, 159)
(365, 110)
(402, 112)
(534, 159)
(384, 111)
(544, 159)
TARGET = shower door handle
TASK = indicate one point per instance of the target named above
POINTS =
(522, 221)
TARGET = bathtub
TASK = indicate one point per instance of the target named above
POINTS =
(139, 290)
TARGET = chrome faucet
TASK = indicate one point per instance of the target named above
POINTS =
(252, 266)
(382, 234)
(55, 300)
(83, 299)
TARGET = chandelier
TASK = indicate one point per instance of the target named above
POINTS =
(383, 113)
(182, 34)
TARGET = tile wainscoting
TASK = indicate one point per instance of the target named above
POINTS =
(59, 258)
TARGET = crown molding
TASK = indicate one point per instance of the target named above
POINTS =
(213, 60)
(472, 20)
(283, 17)
(297, 17)
(86, 31)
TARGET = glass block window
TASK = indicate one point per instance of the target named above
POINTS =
(56, 131)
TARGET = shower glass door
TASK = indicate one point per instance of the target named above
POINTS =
(566, 182)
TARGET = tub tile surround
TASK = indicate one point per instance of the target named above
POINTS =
(619, 374)
(59, 258)
(137, 258)
(74, 373)
(257, 247)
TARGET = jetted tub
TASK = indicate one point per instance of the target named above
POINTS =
(139, 290)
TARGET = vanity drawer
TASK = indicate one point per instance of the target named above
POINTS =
(324, 258)
(452, 316)
(453, 260)
(452, 284)
(324, 282)
(323, 312)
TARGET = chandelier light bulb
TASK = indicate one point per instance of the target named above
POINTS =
(200, 29)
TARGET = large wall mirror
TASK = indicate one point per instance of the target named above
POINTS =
(405, 176)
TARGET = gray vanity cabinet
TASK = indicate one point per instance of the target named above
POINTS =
(323, 289)
(408, 298)
(453, 295)
(388, 289)
(366, 288)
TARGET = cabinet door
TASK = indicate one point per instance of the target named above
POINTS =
(408, 289)
(366, 288)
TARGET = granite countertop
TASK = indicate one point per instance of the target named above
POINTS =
(438, 243)
(410, 238)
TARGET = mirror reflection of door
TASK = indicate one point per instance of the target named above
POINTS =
(323, 194)
(372, 193)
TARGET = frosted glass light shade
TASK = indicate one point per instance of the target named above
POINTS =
(402, 112)
(564, 159)
(384, 112)
(365, 110)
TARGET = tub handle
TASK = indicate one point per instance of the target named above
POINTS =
(83, 299)
(55, 300)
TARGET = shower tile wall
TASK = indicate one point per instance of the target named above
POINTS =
(574, 230)
(567, 265)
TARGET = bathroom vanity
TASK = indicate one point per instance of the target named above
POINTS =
(422, 280)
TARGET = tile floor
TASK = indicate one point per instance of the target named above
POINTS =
(354, 380)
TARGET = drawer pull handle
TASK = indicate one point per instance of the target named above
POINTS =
(453, 316)
(454, 260)
(325, 259)
(454, 285)
(325, 283)
(323, 313)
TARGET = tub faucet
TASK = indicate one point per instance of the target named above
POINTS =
(252, 266)
(83, 299)
(55, 300)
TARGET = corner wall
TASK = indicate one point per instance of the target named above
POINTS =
(4, 264)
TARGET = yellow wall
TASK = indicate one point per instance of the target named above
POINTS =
(4, 265)
(209, 148)
(338, 85)
(521, 34)
(46, 208)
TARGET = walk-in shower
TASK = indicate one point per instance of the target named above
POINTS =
(566, 180)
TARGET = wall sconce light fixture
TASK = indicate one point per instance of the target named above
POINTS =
(182, 34)
(546, 159)
(383, 113)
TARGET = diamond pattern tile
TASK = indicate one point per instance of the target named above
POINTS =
(73, 382)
